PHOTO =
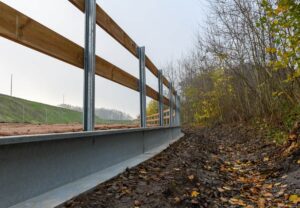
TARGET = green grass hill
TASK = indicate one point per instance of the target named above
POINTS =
(16, 110)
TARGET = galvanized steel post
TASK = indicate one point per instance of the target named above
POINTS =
(176, 110)
(177, 117)
(142, 86)
(171, 103)
(161, 97)
(179, 111)
(89, 66)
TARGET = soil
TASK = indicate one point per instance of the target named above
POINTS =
(221, 166)
(14, 129)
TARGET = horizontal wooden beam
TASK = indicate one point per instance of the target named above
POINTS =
(22, 29)
(113, 29)
(157, 114)
(110, 26)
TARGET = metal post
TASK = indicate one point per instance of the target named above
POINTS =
(161, 97)
(11, 85)
(142, 86)
(171, 103)
(46, 115)
(176, 110)
(177, 115)
(89, 66)
(23, 113)
(179, 122)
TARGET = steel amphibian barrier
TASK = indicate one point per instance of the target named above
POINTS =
(34, 165)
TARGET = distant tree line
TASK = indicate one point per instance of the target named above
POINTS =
(103, 113)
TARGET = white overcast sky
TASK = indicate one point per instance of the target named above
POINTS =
(166, 27)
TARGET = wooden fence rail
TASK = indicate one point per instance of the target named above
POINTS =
(153, 120)
(112, 28)
(26, 31)
(22, 29)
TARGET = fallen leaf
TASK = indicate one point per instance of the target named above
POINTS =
(254, 190)
(177, 200)
(220, 189)
(242, 180)
(224, 199)
(294, 198)
(137, 203)
(194, 193)
(235, 201)
(261, 203)
(143, 171)
(280, 193)
(277, 184)
(268, 186)
(194, 201)
(191, 177)
(207, 167)
(292, 136)
(227, 188)
(286, 196)
(268, 195)
(280, 205)
(266, 159)
(283, 186)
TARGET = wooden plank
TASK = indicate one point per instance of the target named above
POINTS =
(110, 26)
(152, 120)
(26, 31)
(113, 29)
(156, 115)
(21, 29)
(153, 115)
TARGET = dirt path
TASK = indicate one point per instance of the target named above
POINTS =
(15, 129)
(224, 166)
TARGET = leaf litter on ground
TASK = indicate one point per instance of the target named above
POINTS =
(221, 166)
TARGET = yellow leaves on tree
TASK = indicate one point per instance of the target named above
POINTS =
(271, 50)
(206, 101)
(152, 107)
(283, 17)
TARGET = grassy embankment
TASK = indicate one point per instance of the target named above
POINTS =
(16, 110)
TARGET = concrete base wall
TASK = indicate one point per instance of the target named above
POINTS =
(33, 165)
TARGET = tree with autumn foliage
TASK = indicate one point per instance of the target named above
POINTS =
(246, 67)
(283, 19)
(152, 107)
